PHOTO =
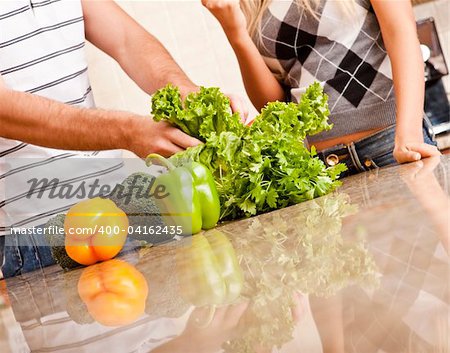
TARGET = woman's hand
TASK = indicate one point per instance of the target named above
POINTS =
(414, 151)
(260, 83)
(229, 14)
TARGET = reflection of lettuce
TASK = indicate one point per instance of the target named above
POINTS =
(55, 237)
(298, 250)
(157, 264)
(75, 307)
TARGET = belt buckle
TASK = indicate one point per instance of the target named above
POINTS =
(332, 159)
(334, 155)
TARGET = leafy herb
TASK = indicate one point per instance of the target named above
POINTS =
(258, 168)
(204, 113)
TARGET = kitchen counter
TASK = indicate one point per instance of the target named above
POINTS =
(365, 269)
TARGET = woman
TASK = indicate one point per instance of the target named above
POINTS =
(362, 51)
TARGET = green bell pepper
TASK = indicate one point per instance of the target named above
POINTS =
(192, 201)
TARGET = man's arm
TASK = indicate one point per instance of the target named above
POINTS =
(47, 123)
(44, 122)
(139, 53)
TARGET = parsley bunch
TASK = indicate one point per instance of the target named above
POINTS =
(259, 168)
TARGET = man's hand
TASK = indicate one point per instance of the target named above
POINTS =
(414, 151)
(148, 136)
(165, 139)
(56, 125)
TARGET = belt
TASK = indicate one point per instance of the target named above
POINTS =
(358, 155)
(2, 254)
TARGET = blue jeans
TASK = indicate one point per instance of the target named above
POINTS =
(25, 253)
(371, 152)
(30, 252)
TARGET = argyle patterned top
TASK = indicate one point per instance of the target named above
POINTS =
(345, 53)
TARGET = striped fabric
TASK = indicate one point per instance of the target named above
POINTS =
(42, 52)
(45, 53)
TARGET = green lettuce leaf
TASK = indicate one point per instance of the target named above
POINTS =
(258, 168)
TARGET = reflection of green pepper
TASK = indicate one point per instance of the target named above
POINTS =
(228, 263)
(192, 201)
(200, 277)
(209, 273)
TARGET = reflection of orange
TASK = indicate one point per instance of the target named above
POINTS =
(4, 298)
(114, 292)
(96, 230)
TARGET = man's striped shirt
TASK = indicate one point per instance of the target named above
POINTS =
(42, 52)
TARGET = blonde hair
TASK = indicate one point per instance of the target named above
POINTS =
(254, 10)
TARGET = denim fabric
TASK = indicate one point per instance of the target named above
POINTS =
(25, 253)
(372, 152)
(437, 106)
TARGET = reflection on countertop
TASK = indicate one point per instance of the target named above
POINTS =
(365, 269)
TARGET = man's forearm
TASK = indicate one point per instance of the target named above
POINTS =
(44, 122)
(149, 64)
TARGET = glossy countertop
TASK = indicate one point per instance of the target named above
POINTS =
(365, 269)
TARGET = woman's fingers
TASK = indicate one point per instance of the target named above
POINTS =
(414, 151)
(405, 156)
(239, 105)
(424, 149)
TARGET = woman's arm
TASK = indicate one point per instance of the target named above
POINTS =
(399, 32)
(260, 84)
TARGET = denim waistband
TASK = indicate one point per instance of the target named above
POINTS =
(368, 153)
(2, 254)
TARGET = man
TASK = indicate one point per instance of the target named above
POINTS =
(46, 103)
